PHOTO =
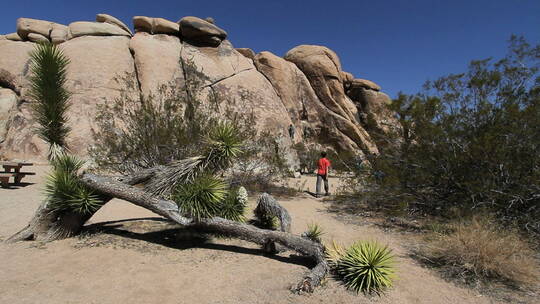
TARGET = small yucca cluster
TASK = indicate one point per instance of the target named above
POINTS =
(364, 266)
(63, 189)
(207, 196)
(314, 232)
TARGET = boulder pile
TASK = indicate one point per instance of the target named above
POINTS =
(306, 91)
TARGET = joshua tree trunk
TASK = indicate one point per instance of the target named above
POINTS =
(170, 210)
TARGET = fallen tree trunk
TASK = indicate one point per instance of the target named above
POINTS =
(171, 211)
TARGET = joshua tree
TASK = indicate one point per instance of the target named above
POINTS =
(48, 67)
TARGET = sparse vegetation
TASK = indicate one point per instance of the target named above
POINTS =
(481, 250)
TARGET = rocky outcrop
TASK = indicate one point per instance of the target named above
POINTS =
(155, 25)
(307, 89)
(323, 69)
(201, 32)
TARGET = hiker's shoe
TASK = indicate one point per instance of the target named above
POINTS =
(327, 194)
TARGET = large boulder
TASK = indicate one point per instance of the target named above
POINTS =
(13, 37)
(37, 38)
(26, 26)
(86, 28)
(59, 33)
(323, 69)
(155, 25)
(201, 32)
(104, 18)
(157, 58)
(362, 83)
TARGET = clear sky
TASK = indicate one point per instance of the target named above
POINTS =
(396, 43)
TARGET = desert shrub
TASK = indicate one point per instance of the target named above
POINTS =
(479, 249)
(365, 266)
(314, 232)
(469, 143)
(65, 192)
(48, 67)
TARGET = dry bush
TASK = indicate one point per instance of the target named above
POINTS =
(480, 250)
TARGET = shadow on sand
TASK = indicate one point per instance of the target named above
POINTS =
(181, 238)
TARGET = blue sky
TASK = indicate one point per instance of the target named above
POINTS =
(397, 44)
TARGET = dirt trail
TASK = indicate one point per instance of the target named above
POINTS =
(128, 263)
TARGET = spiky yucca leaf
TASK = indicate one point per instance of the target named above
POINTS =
(234, 206)
(366, 267)
(202, 197)
(48, 66)
(334, 252)
(223, 144)
(64, 191)
(314, 232)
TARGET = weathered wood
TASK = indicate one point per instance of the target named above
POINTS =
(268, 206)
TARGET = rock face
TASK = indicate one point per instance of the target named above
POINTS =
(8, 103)
(323, 69)
(157, 58)
(304, 97)
(201, 32)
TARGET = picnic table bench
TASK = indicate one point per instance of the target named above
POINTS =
(13, 169)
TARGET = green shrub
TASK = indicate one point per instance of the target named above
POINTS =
(364, 267)
(202, 197)
(64, 191)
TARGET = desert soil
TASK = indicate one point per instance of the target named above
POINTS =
(130, 259)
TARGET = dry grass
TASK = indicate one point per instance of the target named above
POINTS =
(481, 250)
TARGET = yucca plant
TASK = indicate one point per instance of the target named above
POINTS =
(48, 66)
(223, 143)
(314, 232)
(364, 267)
(234, 205)
(64, 191)
(202, 197)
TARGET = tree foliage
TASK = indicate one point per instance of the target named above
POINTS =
(48, 66)
(471, 143)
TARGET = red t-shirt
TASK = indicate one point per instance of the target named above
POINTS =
(323, 165)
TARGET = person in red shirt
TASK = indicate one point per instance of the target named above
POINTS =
(323, 166)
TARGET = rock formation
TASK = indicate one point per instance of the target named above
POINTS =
(307, 89)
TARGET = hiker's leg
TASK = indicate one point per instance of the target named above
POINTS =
(326, 184)
(318, 187)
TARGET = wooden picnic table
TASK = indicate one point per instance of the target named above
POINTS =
(13, 169)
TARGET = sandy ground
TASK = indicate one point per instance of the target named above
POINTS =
(130, 263)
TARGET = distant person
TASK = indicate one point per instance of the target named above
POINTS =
(323, 166)
(292, 131)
